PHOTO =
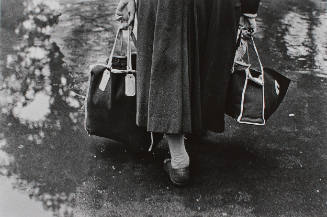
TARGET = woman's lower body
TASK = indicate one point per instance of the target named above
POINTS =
(171, 88)
(216, 31)
(163, 81)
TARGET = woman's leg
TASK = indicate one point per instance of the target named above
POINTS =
(179, 156)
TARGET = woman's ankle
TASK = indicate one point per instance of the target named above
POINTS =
(180, 161)
(179, 157)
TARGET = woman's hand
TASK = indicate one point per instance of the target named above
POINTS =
(125, 12)
(249, 24)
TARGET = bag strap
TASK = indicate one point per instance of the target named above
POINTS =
(239, 37)
(258, 56)
(131, 35)
(259, 80)
(119, 32)
(129, 51)
(239, 43)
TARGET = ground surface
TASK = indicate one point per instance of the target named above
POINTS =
(50, 167)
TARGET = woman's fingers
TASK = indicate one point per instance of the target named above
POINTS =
(131, 8)
(125, 12)
(249, 26)
(124, 26)
(121, 12)
(253, 25)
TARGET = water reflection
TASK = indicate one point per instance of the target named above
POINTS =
(42, 150)
(306, 41)
(320, 38)
(297, 35)
(294, 33)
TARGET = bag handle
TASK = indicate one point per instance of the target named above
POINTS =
(259, 80)
(257, 54)
(238, 44)
(119, 32)
(129, 49)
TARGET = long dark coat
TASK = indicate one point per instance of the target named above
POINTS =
(185, 53)
(216, 31)
(163, 91)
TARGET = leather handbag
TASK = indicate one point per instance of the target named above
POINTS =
(110, 106)
(254, 94)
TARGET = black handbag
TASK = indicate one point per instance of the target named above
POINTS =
(110, 106)
(254, 95)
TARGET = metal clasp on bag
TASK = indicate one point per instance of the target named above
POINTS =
(128, 54)
(130, 86)
(246, 66)
(258, 80)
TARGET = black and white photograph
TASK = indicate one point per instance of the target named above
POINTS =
(163, 108)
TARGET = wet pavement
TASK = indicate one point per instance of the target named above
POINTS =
(50, 167)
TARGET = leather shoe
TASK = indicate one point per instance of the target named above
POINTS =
(179, 177)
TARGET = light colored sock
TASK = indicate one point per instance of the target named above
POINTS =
(179, 156)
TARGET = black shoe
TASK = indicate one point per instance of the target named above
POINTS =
(179, 177)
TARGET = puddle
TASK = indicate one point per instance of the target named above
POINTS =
(45, 51)
(320, 39)
(292, 36)
(296, 36)
(16, 203)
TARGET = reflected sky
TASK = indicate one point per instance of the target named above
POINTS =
(296, 37)
(27, 207)
(320, 38)
(305, 38)
(295, 31)
(39, 116)
(45, 162)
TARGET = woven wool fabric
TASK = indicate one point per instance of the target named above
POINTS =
(163, 91)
